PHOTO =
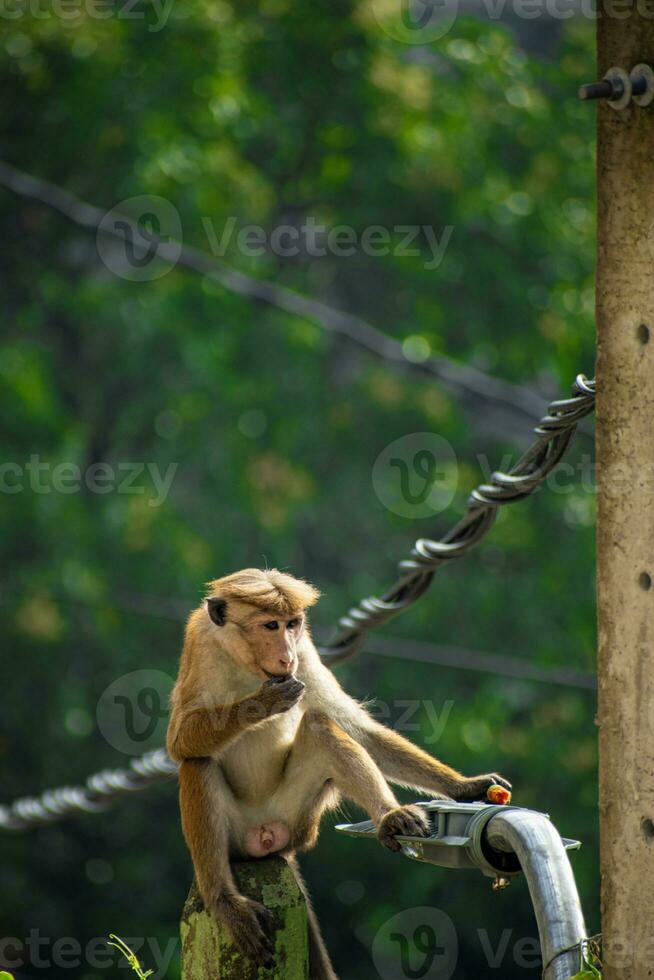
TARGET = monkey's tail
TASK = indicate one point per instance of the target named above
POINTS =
(320, 964)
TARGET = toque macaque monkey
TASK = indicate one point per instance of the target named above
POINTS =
(267, 740)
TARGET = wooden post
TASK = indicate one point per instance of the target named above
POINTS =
(625, 536)
(207, 951)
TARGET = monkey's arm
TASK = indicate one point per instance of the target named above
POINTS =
(404, 763)
(198, 732)
(400, 761)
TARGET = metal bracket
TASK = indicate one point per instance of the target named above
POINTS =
(458, 838)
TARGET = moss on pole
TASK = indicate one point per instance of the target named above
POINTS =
(207, 950)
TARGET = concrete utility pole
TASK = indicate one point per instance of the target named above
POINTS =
(625, 536)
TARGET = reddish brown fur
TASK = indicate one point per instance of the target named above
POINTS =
(273, 591)
(253, 748)
(404, 763)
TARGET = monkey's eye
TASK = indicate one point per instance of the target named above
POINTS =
(293, 624)
(272, 625)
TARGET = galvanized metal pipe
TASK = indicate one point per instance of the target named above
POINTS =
(538, 847)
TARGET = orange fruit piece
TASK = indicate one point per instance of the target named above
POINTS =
(497, 794)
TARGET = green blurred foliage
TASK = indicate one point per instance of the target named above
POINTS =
(269, 113)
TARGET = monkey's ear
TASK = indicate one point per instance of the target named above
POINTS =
(217, 609)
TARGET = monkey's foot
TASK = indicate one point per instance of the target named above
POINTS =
(249, 924)
(407, 821)
(476, 787)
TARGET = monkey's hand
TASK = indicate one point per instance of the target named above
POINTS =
(279, 696)
(408, 821)
(250, 925)
(476, 787)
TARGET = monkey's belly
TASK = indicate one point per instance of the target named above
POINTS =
(254, 765)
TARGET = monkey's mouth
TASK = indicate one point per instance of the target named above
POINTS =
(276, 677)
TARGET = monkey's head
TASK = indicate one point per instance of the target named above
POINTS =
(260, 616)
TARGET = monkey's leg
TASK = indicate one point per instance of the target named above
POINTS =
(323, 752)
(404, 763)
(208, 807)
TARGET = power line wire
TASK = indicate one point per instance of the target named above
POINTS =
(461, 379)
(461, 658)
(555, 432)
(441, 655)
(103, 788)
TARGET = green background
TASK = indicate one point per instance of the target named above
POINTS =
(269, 113)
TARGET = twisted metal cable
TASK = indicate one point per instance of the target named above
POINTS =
(555, 431)
(96, 795)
